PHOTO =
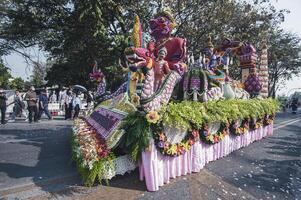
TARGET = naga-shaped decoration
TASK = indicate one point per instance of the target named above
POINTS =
(101, 94)
(161, 62)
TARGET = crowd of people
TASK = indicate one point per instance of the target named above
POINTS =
(32, 106)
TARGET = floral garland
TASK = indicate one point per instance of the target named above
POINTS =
(212, 138)
(255, 123)
(268, 119)
(239, 130)
(166, 148)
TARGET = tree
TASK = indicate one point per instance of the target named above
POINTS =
(17, 84)
(75, 33)
(284, 58)
(4, 75)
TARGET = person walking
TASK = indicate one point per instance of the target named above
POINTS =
(68, 105)
(18, 106)
(43, 105)
(3, 106)
(76, 103)
(31, 98)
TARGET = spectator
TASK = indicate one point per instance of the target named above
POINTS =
(76, 105)
(53, 97)
(18, 106)
(43, 105)
(68, 104)
(3, 106)
(294, 105)
(31, 98)
(62, 98)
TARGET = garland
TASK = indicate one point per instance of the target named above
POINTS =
(268, 119)
(166, 148)
(239, 130)
(255, 123)
(212, 138)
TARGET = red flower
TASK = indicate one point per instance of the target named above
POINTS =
(216, 138)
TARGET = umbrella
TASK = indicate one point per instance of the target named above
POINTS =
(79, 88)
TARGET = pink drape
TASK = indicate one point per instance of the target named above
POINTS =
(157, 169)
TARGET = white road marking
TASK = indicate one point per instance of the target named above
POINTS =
(286, 124)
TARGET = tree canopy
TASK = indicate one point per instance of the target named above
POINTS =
(75, 33)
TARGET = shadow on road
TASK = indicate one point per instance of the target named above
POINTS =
(38, 155)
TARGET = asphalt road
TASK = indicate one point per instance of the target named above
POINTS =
(35, 163)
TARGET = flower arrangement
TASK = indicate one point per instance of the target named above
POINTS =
(268, 119)
(212, 138)
(166, 148)
(237, 129)
(255, 123)
(92, 157)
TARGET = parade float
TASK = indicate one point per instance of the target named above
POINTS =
(175, 113)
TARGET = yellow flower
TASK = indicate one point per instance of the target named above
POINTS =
(172, 150)
(210, 138)
(152, 117)
(221, 136)
(135, 99)
(185, 145)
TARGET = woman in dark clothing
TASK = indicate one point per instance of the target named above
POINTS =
(2, 106)
(68, 105)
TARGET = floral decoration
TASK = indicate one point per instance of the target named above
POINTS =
(239, 130)
(90, 146)
(255, 123)
(268, 119)
(166, 148)
(212, 138)
(152, 117)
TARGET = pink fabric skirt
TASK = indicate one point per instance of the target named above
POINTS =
(157, 169)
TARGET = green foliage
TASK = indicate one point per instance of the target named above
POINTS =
(100, 167)
(283, 57)
(187, 113)
(4, 75)
(17, 84)
(184, 114)
(138, 134)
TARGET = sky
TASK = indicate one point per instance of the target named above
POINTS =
(292, 23)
